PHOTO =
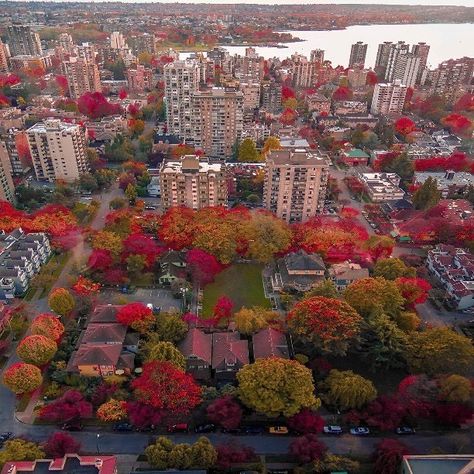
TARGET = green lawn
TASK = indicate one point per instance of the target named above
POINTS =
(242, 283)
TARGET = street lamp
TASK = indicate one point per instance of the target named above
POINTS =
(97, 443)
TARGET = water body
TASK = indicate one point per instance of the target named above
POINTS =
(446, 40)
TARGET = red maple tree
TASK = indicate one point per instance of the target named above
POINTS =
(225, 412)
(306, 421)
(59, 444)
(136, 315)
(70, 406)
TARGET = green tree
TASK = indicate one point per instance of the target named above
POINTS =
(248, 151)
(131, 193)
(171, 327)
(402, 165)
(251, 320)
(407, 321)
(439, 351)
(334, 463)
(393, 268)
(135, 263)
(203, 454)
(61, 301)
(158, 454)
(20, 450)
(384, 343)
(374, 294)
(325, 288)
(427, 195)
(347, 390)
(277, 387)
(87, 182)
(455, 388)
(117, 203)
(164, 350)
(180, 456)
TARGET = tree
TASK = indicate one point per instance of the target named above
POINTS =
(202, 266)
(117, 203)
(439, 351)
(143, 416)
(267, 236)
(225, 412)
(413, 290)
(61, 301)
(248, 151)
(346, 390)
(100, 260)
(158, 454)
(165, 387)
(427, 195)
(49, 325)
(407, 321)
(36, 349)
(370, 294)
(334, 463)
(136, 315)
(170, 327)
(228, 454)
(85, 287)
(325, 288)
(20, 450)
(203, 454)
(306, 421)
(165, 351)
(106, 240)
(70, 406)
(388, 456)
(112, 410)
(393, 268)
(379, 246)
(223, 308)
(59, 444)
(131, 193)
(22, 378)
(455, 388)
(251, 320)
(276, 386)
(329, 324)
(271, 143)
(136, 263)
(404, 126)
(307, 448)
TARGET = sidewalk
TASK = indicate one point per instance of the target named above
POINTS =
(28, 416)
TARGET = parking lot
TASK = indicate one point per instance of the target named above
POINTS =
(158, 297)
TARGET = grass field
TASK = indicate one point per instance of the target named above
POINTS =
(242, 283)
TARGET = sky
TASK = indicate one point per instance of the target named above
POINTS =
(466, 3)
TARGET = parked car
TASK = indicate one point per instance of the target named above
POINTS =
(360, 431)
(232, 430)
(332, 429)
(405, 430)
(209, 428)
(72, 426)
(254, 430)
(278, 430)
(178, 428)
(6, 436)
(122, 427)
(150, 208)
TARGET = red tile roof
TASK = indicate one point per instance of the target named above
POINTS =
(229, 350)
(198, 344)
(270, 343)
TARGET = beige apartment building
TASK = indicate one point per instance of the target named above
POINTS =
(388, 98)
(3, 57)
(218, 116)
(82, 76)
(58, 150)
(295, 183)
(193, 182)
(7, 189)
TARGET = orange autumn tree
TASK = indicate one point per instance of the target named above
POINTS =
(48, 325)
(85, 287)
(328, 324)
(36, 349)
(61, 301)
(22, 378)
(112, 410)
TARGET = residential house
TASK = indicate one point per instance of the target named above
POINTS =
(105, 347)
(21, 257)
(70, 463)
(229, 354)
(298, 271)
(382, 187)
(345, 273)
(454, 268)
(270, 342)
(354, 157)
(197, 349)
(172, 267)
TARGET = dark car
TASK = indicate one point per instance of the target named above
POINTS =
(253, 430)
(209, 428)
(232, 430)
(178, 428)
(72, 426)
(122, 427)
(6, 436)
(405, 430)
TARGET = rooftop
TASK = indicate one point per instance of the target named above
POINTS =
(297, 156)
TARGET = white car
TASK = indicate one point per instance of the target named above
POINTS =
(360, 431)
(332, 429)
